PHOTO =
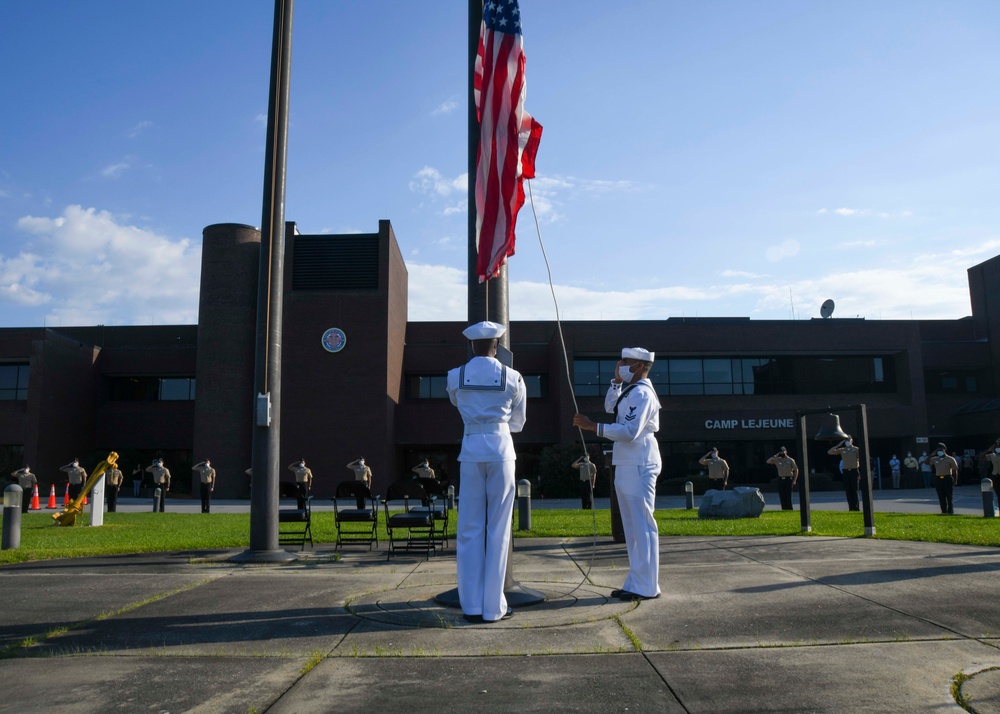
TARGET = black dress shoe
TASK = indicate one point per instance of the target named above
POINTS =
(506, 616)
(472, 618)
(616, 593)
(634, 597)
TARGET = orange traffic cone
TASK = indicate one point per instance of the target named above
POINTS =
(52, 497)
(35, 505)
(66, 496)
(85, 501)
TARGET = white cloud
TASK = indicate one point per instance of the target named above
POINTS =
(786, 250)
(445, 107)
(115, 170)
(89, 268)
(859, 244)
(430, 181)
(918, 285)
(261, 119)
(138, 129)
(849, 212)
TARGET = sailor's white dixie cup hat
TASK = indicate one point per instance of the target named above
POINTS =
(484, 330)
(638, 353)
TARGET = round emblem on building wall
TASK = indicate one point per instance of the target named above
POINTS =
(334, 340)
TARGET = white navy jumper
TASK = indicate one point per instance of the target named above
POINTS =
(491, 399)
(636, 457)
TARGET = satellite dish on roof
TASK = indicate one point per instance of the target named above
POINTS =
(826, 309)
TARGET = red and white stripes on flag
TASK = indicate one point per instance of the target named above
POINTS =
(508, 138)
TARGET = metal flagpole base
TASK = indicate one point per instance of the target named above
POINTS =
(517, 596)
(264, 556)
(870, 531)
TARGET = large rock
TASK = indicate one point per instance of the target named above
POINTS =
(741, 502)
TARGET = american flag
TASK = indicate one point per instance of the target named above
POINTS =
(508, 138)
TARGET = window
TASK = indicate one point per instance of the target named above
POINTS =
(952, 381)
(537, 385)
(693, 376)
(427, 386)
(152, 389)
(13, 382)
(177, 390)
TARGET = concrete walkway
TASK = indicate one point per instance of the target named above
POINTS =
(770, 624)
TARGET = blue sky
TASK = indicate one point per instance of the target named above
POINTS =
(698, 159)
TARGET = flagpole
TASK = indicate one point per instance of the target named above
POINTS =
(481, 306)
(264, 546)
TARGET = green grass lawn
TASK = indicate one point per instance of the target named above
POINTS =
(41, 538)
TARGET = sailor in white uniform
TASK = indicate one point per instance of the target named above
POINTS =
(491, 399)
(636, 457)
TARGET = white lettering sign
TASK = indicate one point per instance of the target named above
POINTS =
(749, 423)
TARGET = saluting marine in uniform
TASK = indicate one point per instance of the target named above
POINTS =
(424, 470)
(27, 481)
(946, 476)
(303, 481)
(992, 456)
(113, 478)
(361, 472)
(491, 399)
(718, 469)
(77, 477)
(788, 474)
(636, 458)
(207, 477)
(161, 480)
(851, 456)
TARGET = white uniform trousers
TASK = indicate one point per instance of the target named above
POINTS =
(635, 487)
(485, 507)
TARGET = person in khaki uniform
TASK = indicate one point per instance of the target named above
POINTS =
(27, 481)
(161, 480)
(303, 481)
(788, 474)
(364, 474)
(718, 469)
(113, 478)
(77, 477)
(911, 471)
(588, 479)
(207, 476)
(851, 456)
(945, 477)
(423, 470)
(992, 457)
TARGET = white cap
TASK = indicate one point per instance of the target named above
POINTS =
(638, 353)
(484, 330)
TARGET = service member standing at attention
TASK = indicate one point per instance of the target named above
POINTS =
(851, 456)
(207, 477)
(77, 477)
(491, 399)
(113, 478)
(945, 477)
(588, 479)
(361, 471)
(636, 458)
(27, 481)
(788, 474)
(911, 471)
(718, 469)
(161, 480)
